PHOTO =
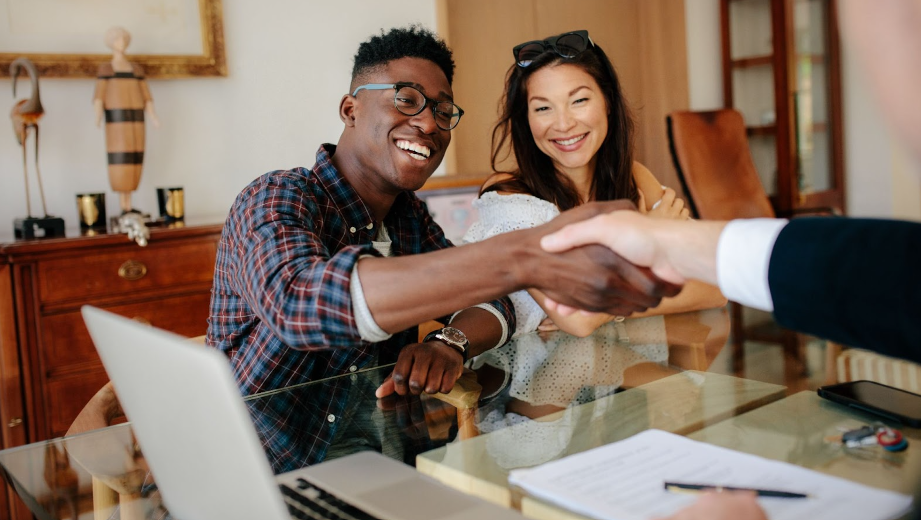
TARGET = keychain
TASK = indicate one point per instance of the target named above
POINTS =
(891, 439)
(888, 438)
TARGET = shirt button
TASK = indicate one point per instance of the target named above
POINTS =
(331, 418)
(370, 226)
(353, 368)
(352, 229)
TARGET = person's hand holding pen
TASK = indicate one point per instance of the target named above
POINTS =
(737, 505)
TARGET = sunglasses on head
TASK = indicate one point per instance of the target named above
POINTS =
(567, 45)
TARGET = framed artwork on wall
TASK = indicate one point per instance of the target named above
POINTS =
(170, 38)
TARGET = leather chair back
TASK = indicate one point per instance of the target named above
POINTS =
(711, 154)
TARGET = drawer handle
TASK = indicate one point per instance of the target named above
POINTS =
(15, 421)
(132, 270)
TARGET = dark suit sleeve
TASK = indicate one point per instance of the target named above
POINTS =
(855, 281)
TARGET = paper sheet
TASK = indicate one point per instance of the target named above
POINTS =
(624, 481)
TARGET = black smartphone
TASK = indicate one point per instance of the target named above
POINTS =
(882, 400)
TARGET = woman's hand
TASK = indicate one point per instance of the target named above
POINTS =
(667, 207)
(548, 326)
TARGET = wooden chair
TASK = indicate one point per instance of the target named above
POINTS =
(111, 487)
(711, 155)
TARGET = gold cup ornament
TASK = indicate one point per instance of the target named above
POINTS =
(91, 208)
(172, 203)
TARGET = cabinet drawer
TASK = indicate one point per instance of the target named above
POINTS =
(67, 396)
(125, 270)
(66, 344)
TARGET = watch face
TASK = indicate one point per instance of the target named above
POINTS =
(454, 336)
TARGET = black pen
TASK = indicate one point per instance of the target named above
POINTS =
(679, 487)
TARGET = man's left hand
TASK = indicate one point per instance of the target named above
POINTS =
(430, 367)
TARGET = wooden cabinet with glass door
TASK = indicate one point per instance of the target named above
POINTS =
(781, 70)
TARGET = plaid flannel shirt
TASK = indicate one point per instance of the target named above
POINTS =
(281, 309)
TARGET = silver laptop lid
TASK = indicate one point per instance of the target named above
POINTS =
(185, 409)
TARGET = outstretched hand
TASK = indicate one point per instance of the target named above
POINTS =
(674, 251)
(595, 278)
(627, 233)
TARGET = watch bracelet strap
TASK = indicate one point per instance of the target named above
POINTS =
(432, 335)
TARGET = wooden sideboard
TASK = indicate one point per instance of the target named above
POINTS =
(48, 365)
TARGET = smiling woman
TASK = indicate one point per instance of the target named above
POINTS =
(565, 117)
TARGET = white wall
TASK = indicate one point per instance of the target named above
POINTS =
(880, 180)
(289, 63)
(705, 72)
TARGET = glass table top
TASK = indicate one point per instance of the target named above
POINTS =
(540, 397)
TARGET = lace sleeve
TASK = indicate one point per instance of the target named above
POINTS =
(503, 213)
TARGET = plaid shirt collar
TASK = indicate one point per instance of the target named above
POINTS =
(344, 196)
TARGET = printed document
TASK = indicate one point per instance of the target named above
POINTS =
(624, 481)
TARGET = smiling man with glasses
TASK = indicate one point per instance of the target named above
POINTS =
(326, 270)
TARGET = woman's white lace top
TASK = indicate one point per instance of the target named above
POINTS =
(501, 214)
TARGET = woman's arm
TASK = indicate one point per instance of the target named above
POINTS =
(579, 324)
(695, 295)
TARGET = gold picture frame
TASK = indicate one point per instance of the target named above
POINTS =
(211, 62)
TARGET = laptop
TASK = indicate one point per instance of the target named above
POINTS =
(203, 450)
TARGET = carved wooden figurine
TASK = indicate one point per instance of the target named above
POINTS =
(25, 116)
(123, 98)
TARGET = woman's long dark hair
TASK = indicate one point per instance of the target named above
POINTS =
(536, 175)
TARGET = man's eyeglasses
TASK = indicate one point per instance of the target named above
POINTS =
(410, 101)
(567, 45)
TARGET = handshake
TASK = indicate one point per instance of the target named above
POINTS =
(615, 260)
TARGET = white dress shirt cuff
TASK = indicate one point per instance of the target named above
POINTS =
(368, 329)
(743, 257)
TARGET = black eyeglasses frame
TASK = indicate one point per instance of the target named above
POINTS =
(428, 101)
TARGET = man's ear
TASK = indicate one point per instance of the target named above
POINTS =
(347, 110)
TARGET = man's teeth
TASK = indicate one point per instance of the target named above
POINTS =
(414, 148)
(573, 140)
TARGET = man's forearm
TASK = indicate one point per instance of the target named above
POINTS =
(404, 291)
(482, 328)
(407, 290)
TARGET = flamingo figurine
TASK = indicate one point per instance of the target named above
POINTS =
(25, 116)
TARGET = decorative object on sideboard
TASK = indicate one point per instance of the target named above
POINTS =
(25, 116)
(123, 98)
(172, 204)
(91, 210)
(133, 224)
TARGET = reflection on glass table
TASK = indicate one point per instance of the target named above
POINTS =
(621, 375)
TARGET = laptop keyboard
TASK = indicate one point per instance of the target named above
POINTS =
(311, 502)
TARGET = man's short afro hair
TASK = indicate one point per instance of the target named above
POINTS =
(403, 42)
